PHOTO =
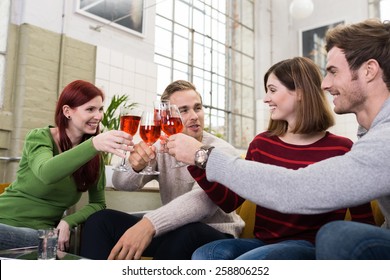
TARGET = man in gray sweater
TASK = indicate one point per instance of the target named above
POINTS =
(187, 220)
(358, 78)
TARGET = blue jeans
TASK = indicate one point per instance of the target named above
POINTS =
(343, 240)
(255, 249)
(15, 237)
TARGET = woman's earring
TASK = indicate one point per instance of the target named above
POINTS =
(68, 117)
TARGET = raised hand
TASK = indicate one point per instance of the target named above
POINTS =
(141, 155)
(183, 147)
(113, 141)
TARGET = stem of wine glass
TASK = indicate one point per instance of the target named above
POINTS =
(123, 161)
(163, 147)
(148, 170)
(122, 167)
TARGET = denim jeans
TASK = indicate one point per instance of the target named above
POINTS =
(344, 240)
(255, 249)
(15, 237)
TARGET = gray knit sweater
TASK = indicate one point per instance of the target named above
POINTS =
(183, 200)
(357, 177)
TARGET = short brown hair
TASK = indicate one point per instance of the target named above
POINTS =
(178, 86)
(313, 111)
(369, 39)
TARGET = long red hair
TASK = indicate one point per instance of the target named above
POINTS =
(74, 95)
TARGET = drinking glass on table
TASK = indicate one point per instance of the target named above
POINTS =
(129, 122)
(172, 123)
(150, 131)
(47, 243)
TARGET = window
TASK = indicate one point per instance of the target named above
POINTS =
(211, 43)
(385, 10)
(127, 15)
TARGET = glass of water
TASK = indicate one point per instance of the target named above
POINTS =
(47, 245)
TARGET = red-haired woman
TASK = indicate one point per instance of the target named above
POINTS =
(58, 164)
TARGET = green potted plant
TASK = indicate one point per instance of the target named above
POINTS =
(111, 120)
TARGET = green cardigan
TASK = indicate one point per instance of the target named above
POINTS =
(44, 187)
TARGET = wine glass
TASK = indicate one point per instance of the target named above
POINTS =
(172, 123)
(160, 107)
(129, 122)
(150, 131)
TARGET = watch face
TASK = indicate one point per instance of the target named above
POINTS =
(201, 156)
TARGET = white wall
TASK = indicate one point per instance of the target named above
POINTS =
(124, 60)
(59, 16)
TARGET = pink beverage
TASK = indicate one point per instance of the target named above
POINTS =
(150, 133)
(130, 124)
(172, 125)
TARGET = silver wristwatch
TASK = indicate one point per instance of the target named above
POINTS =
(202, 155)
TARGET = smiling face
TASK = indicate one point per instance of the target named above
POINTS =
(344, 85)
(281, 101)
(84, 119)
(191, 110)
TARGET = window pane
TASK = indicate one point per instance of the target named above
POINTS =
(207, 26)
(199, 25)
(248, 108)
(163, 23)
(164, 74)
(181, 30)
(180, 75)
(164, 8)
(163, 43)
(182, 17)
(180, 49)
(164, 61)
(199, 56)
(247, 131)
(180, 66)
(385, 10)
(247, 11)
(247, 70)
(222, 6)
(214, 28)
(247, 42)
(219, 60)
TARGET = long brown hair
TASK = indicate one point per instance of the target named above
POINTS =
(74, 95)
(314, 113)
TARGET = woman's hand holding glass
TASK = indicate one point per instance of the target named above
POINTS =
(113, 141)
(129, 122)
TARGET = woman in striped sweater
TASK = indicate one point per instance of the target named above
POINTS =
(296, 137)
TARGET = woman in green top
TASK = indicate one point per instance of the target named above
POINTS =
(57, 165)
